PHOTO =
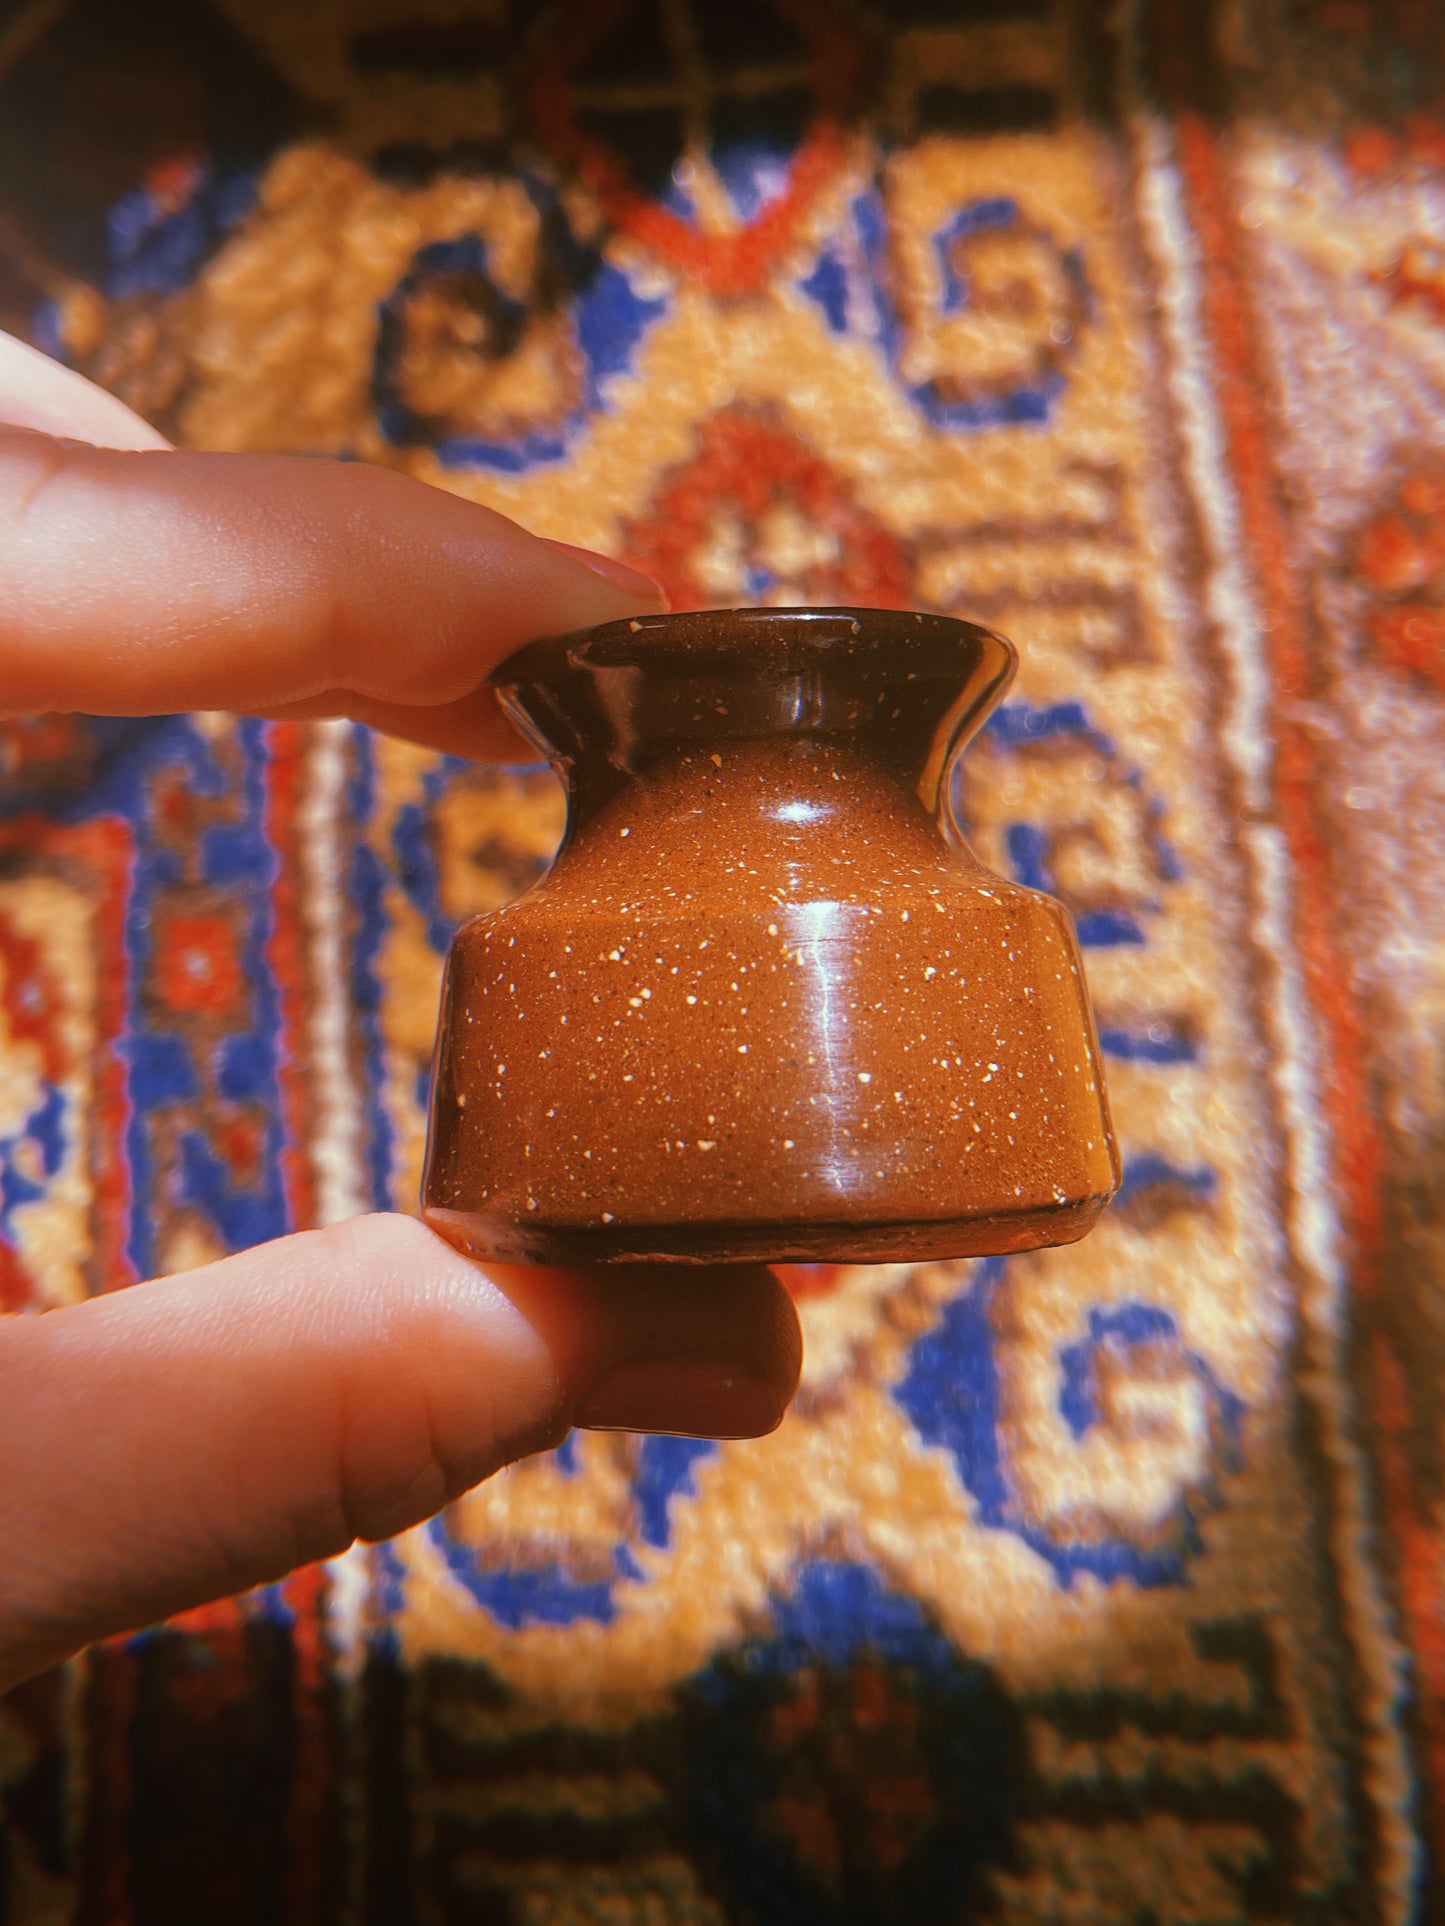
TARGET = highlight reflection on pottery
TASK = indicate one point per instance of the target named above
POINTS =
(766, 1005)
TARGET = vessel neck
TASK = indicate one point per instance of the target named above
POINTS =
(899, 691)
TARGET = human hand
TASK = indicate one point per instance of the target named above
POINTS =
(203, 1433)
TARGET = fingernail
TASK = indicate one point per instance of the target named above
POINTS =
(686, 1399)
(631, 579)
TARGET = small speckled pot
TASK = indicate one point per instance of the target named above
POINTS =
(766, 1004)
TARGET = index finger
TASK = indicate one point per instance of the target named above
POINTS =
(36, 392)
(139, 581)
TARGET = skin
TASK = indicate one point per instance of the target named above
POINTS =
(190, 1437)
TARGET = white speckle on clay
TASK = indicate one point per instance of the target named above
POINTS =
(839, 988)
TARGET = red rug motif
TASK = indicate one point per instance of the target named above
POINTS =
(1097, 1585)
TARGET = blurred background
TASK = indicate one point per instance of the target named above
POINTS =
(1100, 1584)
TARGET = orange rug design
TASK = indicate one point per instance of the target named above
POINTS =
(1102, 1584)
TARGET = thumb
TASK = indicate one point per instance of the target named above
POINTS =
(204, 1433)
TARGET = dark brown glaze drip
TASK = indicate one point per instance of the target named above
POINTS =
(766, 1005)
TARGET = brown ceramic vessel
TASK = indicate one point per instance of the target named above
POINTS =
(766, 1004)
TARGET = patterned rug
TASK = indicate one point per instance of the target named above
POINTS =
(1097, 1585)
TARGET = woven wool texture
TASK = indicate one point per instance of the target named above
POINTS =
(1096, 1585)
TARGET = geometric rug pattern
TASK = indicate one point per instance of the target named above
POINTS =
(1090, 1585)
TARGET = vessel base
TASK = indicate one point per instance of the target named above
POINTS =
(999, 1234)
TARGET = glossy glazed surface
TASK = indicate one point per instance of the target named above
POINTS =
(765, 1004)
